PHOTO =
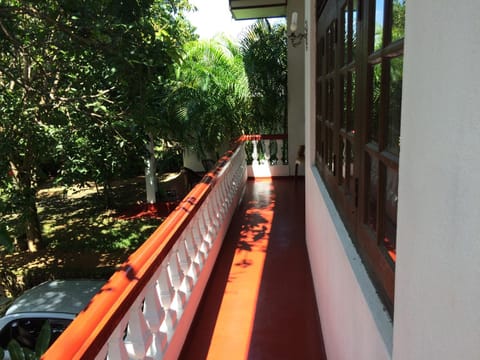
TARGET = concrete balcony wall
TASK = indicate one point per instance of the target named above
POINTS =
(296, 88)
(437, 274)
(354, 323)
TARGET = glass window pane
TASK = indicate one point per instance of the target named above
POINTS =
(372, 193)
(343, 159)
(351, 170)
(331, 47)
(330, 94)
(376, 74)
(379, 16)
(318, 136)
(394, 106)
(322, 142)
(354, 25)
(319, 100)
(398, 19)
(320, 59)
(351, 115)
(345, 101)
(330, 154)
(345, 32)
(391, 202)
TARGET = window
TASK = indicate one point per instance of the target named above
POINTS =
(26, 331)
(359, 63)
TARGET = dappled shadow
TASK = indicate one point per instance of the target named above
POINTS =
(85, 239)
(244, 245)
(33, 269)
(80, 219)
(261, 304)
(254, 228)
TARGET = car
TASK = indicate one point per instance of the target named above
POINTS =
(55, 301)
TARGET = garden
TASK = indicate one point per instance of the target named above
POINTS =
(93, 92)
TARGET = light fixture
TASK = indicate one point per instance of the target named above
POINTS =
(296, 38)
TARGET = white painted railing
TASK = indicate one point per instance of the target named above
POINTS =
(145, 310)
(265, 155)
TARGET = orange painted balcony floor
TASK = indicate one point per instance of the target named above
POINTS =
(260, 302)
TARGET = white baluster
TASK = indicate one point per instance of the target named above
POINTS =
(139, 338)
(155, 315)
(168, 326)
(255, 152)
(215, 214)
(206, 220)
(201, 255)
(183, 256)
(116, 346)
(280, 151)
(184, 260)
(192, 249)
(207, 236)
(165, 289)
(153, 310)
(266, 149)
(159, 346)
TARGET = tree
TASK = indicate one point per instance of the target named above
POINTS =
(210, 98)
(76, 79)
(264, 49)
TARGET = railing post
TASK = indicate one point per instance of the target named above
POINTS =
(280, 151)
(255, 152)
(266, 150)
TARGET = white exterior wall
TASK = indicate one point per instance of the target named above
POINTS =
(296, 95)
(354, 322)
(438, 260)
(437, 288)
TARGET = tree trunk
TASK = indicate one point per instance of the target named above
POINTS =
(150, 173)
(32, 240)
(33, 230)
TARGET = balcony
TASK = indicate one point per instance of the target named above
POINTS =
(225, 276)
(254, 9)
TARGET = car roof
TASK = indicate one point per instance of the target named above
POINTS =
(65, 296)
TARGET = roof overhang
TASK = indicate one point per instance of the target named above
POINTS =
(256, 9)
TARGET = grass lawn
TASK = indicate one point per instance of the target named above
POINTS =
(85, 239)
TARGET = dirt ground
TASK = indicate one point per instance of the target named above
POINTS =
(64, 213)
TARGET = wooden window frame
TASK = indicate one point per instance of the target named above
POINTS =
(347, 173)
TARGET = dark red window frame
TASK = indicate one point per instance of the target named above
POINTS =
(359, 63)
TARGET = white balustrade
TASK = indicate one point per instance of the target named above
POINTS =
(157, 324)
(263, 165)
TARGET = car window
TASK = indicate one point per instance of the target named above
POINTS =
(26, 331)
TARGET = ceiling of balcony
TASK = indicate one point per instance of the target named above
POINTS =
(255, 9)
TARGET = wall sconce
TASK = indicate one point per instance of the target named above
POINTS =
(296, 38)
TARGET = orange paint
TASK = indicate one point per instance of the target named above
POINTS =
(233, 330)
(260, 302)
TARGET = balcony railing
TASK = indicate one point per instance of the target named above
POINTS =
(267, 155)
(146, 308)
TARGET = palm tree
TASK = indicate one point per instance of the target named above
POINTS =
(264, 49)
(211, 97)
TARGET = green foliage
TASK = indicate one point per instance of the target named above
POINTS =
(209, 101)
(78, 85)
(264, 49)
(5, 239)
(398, 19)
(170, 158)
